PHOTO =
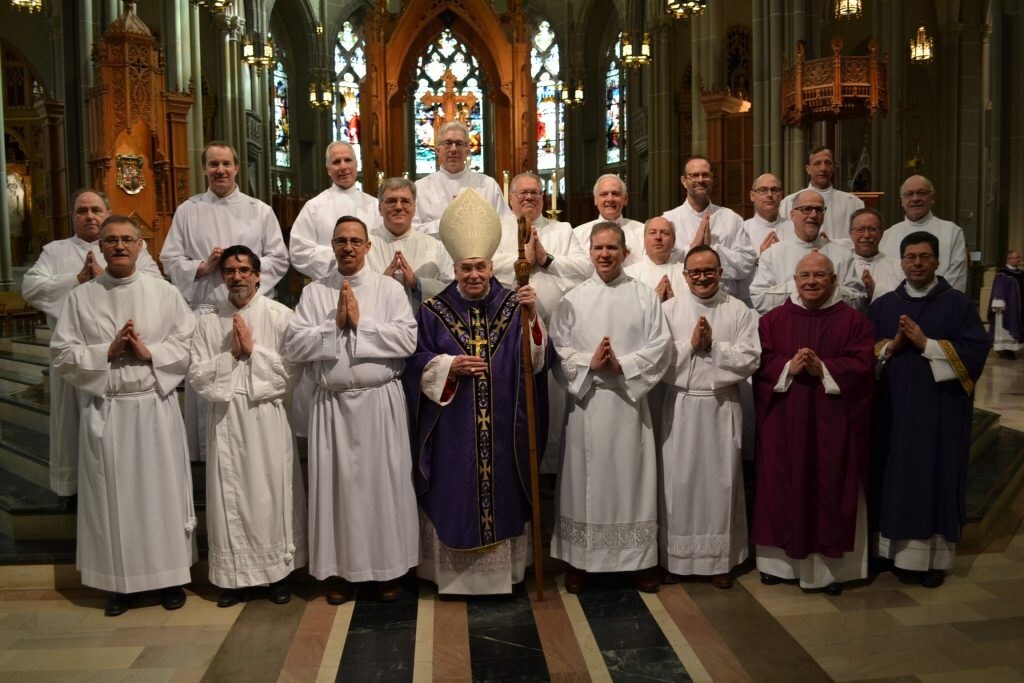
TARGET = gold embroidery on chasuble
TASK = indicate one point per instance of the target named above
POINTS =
(958, 365)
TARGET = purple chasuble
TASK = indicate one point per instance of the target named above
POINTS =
(472, 460)
(1007, 286)
(812, 447)
(922, 428)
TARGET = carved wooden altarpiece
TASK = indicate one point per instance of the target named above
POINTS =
(138, 136)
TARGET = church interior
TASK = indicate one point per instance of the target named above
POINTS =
(122, 96)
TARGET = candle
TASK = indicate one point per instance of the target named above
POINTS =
(380, 177)
(554, 191)
(504, 174)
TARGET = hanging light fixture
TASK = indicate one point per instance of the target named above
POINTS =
(636, 55)
(921, 47)
(258, 52)
(215, 6)
(849, 9)
(572, 92)
(684, 9)
(321, 90)
(29, 6)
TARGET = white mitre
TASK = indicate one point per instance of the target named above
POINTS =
(470, 227)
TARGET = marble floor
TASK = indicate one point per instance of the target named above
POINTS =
(970, 629)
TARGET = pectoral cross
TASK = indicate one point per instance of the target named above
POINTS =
(477, 344)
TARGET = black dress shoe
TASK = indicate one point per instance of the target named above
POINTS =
(279, 592)
(769, 580)
(833, 589)
(117, 604)
(172, 598)
(230, 597)
(933, 578)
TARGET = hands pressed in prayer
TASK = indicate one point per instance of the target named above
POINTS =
(90, 269)
(664, 289)
(348, 308)
(703, 235)
(806, 359)
(210, 263)
(540, 254)
(527, 297)
(468, 366)
(241, 338)
(400, 265)
(126, 341)
(604, 358)
(911, 332)
(700, 340)
(768, 241)
(869, 283)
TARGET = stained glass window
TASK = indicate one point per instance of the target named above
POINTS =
(615, 105)
(545, 67)
(464, 99)
(282, 113)
(349, 70)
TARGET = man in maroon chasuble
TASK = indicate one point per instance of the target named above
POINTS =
(813, 398)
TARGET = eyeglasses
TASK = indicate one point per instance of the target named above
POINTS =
(767, 190)
(354, 242)
(910, 194)
(865, 230)
(458, 144)
(699, 176)
(818, 275)
(917, 258)
(808, 210)
(126, 241)
(396, 201)
(702, 273)
(528, 193)
(244, 271)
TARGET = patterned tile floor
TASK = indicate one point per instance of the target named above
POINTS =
(970, 629)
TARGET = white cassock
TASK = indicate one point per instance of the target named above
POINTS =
(436, 191)
(773, 282)
(606, 510)
(426, 256)
(883, 271)
(650, 273)
(952, 247)
(728, 239)
(839, 207)
(757, 229)
(255, 497)
(201, 223)
(309, 242)
(46, 286)
(135, 513)
(570, 267)
(363, 524)
(633, 230)
(703, 518)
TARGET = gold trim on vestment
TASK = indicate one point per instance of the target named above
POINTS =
(879, 345)
(958, 366)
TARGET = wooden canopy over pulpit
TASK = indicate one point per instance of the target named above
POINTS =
(138, 139)
(393, 45)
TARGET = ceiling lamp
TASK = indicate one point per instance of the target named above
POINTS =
(849, 9)
(29, 6)
(215, 6)
(321, 90)
(636, 55)
(572, 92)
(921, 47)
(258, 52)
(684, 9)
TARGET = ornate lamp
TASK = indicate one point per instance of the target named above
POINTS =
(921, 47)
(29, 6)
(572, 92)
(849, 9)
(636, 55)
(684, 9)
(321, 90)
(258, 52)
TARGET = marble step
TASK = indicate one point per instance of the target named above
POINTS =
(994, 478)
(984, 427)
(43, 333)
(31, 511)
(25, 453)
(22, 365)
(31, 347)
(29, 408)
(11, 381)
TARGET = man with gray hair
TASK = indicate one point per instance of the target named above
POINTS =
(309, 244)
(610, 198)
(437, 190)
(656, 269)
(419, 262)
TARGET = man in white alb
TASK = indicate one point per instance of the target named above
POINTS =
(418, 262)
(698, 221)
(874, 268)
(123, 341)
(656, 269)
(255, 497)
(917, 195)
(773, 283)
(702, 511)
(436, 191)
(613, 348)
(202, 227)
(354, 331)
(611, 198)
(820, 168)
(767, 226)
(309, 243)
(62, 266)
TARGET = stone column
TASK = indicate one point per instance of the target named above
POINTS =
(6, 271)
(663, 157)
(969, 134)
(196, 139)
(1013, 139)
(794, 138)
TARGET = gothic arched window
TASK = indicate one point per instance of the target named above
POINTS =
(349, 70)
(545, 67)
(615, 105)
(439, 96)
(282, 113)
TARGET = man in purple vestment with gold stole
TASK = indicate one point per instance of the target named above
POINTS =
(467, 403)
(813, 398)
(931, 349)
